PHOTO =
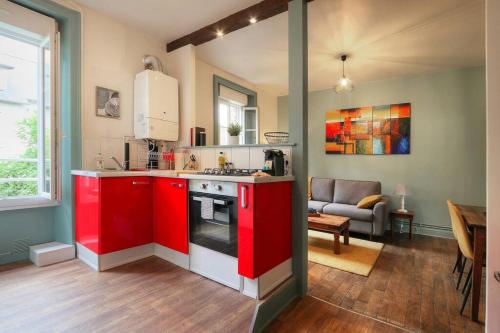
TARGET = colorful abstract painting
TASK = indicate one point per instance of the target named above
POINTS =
(371, 130)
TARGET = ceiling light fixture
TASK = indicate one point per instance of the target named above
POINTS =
(253, 20)
(344, 85)
(219, 33)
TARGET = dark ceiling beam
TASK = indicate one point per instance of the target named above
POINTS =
(260, 11)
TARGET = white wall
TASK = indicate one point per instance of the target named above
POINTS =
(266, 100)
(181, 65)
(493, 163)
(111, 57)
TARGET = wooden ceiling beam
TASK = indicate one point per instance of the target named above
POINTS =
(260, 11)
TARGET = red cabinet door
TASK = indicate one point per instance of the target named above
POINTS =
(246, 230)
(87, 216)
(126, 213)
(171, 213)
(264, 227)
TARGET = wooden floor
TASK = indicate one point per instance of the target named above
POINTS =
(150, 295)
(410, 286)
(312, 315)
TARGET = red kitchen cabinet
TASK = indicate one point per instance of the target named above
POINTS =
(126, 212)
(171, 213)
(113, 213)
(264, 227)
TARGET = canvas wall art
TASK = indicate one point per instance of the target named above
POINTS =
(370, 130)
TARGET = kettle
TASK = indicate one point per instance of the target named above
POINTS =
(274, 162)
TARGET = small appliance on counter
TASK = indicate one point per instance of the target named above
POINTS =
(274, 162)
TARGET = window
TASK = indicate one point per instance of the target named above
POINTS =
(234, 104)
(231, 112)
(27, 108)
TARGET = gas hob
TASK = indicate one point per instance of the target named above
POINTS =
(230, 172)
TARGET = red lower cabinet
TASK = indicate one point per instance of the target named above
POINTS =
(171, 213)
(113, 213)
(264, 227)
(126, 212)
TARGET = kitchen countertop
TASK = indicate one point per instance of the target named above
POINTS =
(179, 174)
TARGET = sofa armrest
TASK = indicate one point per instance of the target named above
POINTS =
(380, 211)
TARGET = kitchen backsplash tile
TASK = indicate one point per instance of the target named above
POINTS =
(241, 157)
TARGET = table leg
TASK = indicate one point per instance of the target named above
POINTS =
(411, 226)
(477, 269)
(336, 242)
(392, 226)
(346, 237)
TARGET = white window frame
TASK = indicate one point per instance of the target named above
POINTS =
(256, 130)
(244, 130)
(17, 17)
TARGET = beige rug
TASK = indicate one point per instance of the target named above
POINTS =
(358, 257)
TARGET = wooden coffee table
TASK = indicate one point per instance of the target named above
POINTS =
(332, 224)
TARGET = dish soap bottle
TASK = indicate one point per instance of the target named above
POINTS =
(99, 161)
(221, 160)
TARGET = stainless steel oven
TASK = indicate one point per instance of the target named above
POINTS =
(213, 216)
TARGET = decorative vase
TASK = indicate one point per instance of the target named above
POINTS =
(234, 140)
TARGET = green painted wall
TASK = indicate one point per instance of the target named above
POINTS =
(42, 225)
(448, 143)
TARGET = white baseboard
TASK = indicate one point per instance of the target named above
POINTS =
(87, 256)
(259, 287)
(175, 257)
(118, 258)
(215, 266)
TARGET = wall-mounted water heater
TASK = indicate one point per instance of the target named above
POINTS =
(156, 106)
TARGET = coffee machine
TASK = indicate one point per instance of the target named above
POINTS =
(274, 162)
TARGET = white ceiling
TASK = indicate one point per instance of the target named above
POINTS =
(385, 38)
(168, 19)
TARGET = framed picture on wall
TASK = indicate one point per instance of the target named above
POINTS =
(369, 130)
(107, 103)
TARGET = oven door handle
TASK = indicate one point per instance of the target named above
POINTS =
(216, 201)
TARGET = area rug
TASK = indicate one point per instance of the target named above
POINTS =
(358, 257)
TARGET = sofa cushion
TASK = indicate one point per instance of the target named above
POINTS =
(349, 211)
(369, 201)
(317, 205)
(322, 189)
(350, 192)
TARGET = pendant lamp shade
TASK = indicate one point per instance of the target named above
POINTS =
(344, 84)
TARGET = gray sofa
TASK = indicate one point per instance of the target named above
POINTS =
(340, 197)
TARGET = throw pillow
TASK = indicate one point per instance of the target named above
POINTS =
(369, 201)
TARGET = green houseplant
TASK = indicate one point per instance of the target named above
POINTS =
(234, 130)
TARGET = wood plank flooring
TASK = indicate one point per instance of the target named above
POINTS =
(411, 286)
(150, 295)
(312, 315)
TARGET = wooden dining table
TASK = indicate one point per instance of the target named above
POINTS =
(475, 217)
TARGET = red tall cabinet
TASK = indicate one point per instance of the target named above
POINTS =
(264, 226)
(170, 215)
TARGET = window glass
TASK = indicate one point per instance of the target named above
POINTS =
(26, 115)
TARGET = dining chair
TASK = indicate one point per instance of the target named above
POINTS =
(464, 243)
(461, 259)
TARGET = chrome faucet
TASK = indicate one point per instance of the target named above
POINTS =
(120, 165)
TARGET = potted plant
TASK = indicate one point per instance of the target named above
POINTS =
(234, 131)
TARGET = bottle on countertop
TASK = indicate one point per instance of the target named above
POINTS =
(221, 160)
